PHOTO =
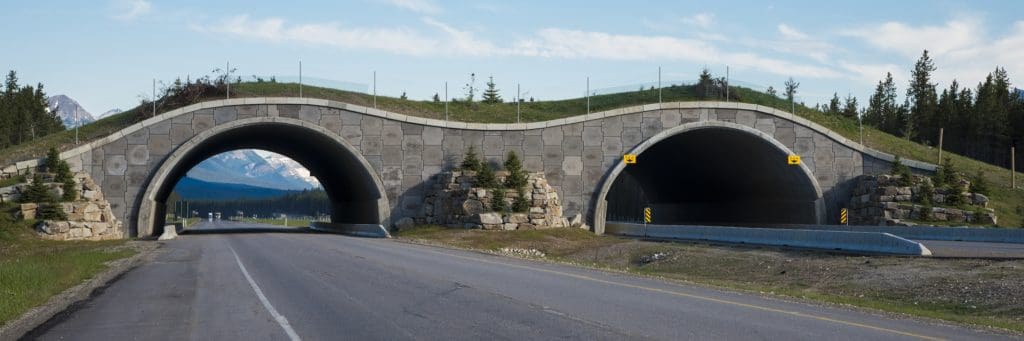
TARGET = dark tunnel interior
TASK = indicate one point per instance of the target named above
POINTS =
(713, 176)
(348, 183)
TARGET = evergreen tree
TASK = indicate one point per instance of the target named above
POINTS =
(470, 88)
(37, 191)
(437, 99)
(521, 204)
(850, 107)
(833, 105)
(979, 184)
(403, 96)
(498, 200)
(491, 95)
(52, 162)
(705, 85)
(882, 111)
(471, 161)
(485, 177)
(902, 171)
(516, 175)
(791, 87)
(922, 100)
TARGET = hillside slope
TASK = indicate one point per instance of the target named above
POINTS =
(1009, 204)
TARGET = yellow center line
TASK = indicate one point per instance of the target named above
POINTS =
(693, 296)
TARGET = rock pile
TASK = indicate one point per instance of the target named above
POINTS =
(880, 200)
(88, 218)
(455, 202)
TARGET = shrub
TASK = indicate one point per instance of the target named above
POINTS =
(955, 198)
(516, 175)
(901, 170)
(498, 200)
(925, 193)
(946, 174)
(37, 191)
(521, 204)
(51, 211)
(485, 177)
(471, 161)
(979, 184)
(53, 162)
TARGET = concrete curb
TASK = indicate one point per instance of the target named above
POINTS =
(868, 242)
(957, 234)
(37, 316)
(358, 230)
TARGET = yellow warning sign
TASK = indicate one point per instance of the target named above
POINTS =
(629, 159)
(793, 160)
(647, 215)
(843, 216)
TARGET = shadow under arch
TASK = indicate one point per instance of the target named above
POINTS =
(356, 192)
(707, 168)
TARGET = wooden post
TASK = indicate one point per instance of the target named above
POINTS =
(940, 147)
(1013, 166)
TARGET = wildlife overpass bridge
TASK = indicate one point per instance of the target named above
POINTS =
(698, 162)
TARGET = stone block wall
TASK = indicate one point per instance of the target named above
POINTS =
(88, 218)
(880, 200)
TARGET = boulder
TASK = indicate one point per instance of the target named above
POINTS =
(471, 207)
(491, 218)
(979, 199)
(576, 221)
(509, 226)
(518, 218)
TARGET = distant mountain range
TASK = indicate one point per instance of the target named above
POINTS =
(193, 189)
(252, 168)
(67, 108)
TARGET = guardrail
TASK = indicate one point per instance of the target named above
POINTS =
(359, 230)
(960, 234)
(849, 241)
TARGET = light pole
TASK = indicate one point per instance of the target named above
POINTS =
(446, 100)
(300, 78)
(518, 100)
(588, 95)
(227, 80)
(659, 85)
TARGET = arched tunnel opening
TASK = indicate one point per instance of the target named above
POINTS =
(714, 176)
(348, 182)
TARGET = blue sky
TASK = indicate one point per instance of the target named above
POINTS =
(106, 53)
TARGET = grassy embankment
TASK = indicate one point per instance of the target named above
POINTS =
(32, 270)
(1009, 204)
(969, 291)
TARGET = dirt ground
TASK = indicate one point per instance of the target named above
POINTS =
(976, 291)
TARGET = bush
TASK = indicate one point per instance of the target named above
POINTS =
(485, 177)
(521, 204)
(901, 170)
(979, 184)
(946, 174)
(498, 200)
(516, 175)
(471, 161)
(925, 193)
(955, 198)
(926, 212)
(62, 174)
(37, 191)
(51, 211)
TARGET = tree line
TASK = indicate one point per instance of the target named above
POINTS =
(312, 202)
(980, 122)
(24, 113)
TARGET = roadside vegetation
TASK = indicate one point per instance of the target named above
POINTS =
(971, 291)
(32, 270)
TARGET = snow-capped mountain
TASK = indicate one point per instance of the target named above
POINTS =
(67, 108)
(247, 167)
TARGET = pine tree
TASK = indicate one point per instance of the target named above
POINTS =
(791, 87)
(516, 175)
(833, 105)
(902, 171)
(521, 204)
(470, 88)
(491, 95)
(850, 107)
(471, 161)
(922, 100)
(498, 200)
(979, 184)
(437, 99)
(52, 162)
(485, 177)
(705, 85)
(403, 96)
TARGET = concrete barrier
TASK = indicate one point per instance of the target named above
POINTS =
(960, 234)
(869, 242)
(359, 230)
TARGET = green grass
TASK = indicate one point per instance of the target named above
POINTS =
(12, 181)
(280, 222)
(1005, 200)
(32, 270)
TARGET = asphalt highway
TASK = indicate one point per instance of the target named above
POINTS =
(315, 286)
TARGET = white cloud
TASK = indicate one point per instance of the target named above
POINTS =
(419, 6)
(872, 73)
(701, 20)
(791, 33)
(443, 39)
(959, 47)
(131, 9)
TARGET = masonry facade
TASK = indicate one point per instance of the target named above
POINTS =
(576, 154)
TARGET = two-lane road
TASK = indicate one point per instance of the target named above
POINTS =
(321, 286)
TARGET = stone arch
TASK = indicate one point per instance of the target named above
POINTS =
(613, 173)
(354, 187)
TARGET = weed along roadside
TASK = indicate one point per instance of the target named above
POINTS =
(982, 292)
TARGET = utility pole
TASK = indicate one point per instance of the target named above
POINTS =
(1013, 165)
(227, 80)
(375, 89)
(518, 100)
(659, 85)
(588, 95)
(726, 83)
(940, 147)
(446, 100)
(154, 96)
(860, 124)
(300, 78)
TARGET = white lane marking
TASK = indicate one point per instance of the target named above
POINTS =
(281, 320)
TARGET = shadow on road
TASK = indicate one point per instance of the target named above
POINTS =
(248, 230)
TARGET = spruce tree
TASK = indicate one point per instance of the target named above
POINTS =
(485, 177)
(498, 200)
(471, 161)
(850, 107)
(901, 170)
(521, 204)
(491, 95)
(436, 98)
(833, 105)
(921, 99)
(979, 184)
(705, 84)
(37, 191)
(516, 175)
